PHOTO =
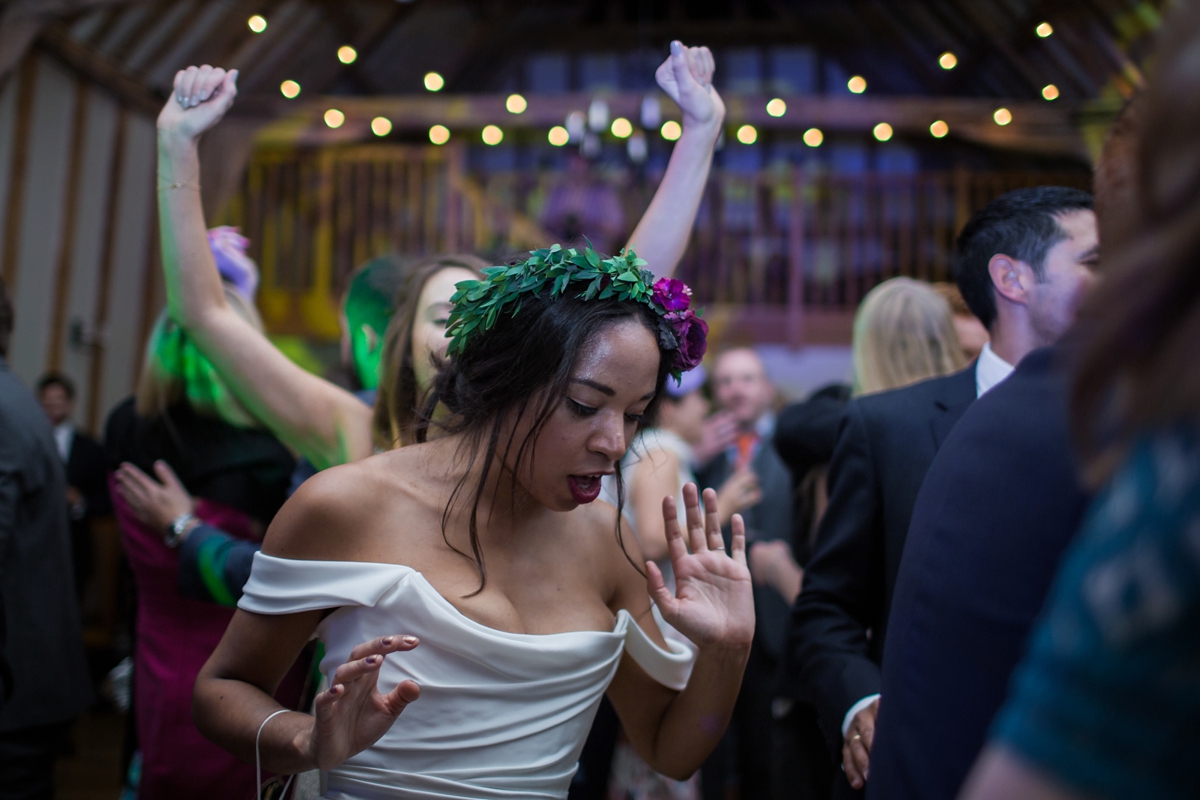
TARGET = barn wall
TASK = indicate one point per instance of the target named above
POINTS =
(77, 217)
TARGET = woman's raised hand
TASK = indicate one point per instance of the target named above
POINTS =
(686, 76)
(199, 100)
(352, 714)
(713, 605)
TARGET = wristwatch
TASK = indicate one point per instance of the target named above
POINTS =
(178, 528)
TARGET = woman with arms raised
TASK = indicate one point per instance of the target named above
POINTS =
(481, 578)
(317, 419)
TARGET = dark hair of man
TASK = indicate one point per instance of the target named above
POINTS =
(1021, 224)
(1139, 369)
(397, 401)
(59, 380)
(523, 365)
(6, 319)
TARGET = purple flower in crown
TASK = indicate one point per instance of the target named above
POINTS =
(672, 294)
(229, 251)
(692, 333)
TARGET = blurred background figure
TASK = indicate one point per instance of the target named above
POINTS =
(742, 390)
(904, 332)
(87, 471)
(185, 416)
(44, 680)
(972, 335)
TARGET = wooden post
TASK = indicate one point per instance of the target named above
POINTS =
(795, 288)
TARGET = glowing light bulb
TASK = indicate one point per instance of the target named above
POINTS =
(1044, 29)
(747, 134)
(882, 131)
(516, 104)
(621, 128)
(381, 126)
(947, 60)
(289, 89)
(671, 130)
(857, 84)
(939, 129)
(334, 118)
(257, 23)
(492, 135)
(776, 107)
(813, 137)
(558, 136)
(1050, 91)
(439, 134)
(347, 54)
(434, 82)
(1002, 116)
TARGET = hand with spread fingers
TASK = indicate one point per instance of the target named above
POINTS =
(713, 605)
(856, 747)
(686, 76)
(353, 714)
(199, 99)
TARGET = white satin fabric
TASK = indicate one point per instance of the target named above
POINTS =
(501, 715)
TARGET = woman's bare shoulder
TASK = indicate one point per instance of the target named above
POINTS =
(338, 513)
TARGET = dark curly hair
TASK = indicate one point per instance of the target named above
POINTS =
(523, 365)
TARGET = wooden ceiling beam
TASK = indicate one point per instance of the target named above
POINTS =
(1036, 127)
(22, 20)
(95, 67)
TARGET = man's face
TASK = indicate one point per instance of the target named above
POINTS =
(1069, 273)
(57, 404)
(741, 387)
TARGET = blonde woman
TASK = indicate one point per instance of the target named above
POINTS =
(903, 333)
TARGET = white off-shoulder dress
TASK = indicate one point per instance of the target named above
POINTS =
(501, 715)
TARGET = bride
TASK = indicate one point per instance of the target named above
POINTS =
(473, 601)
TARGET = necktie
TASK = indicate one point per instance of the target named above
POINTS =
(745, 449)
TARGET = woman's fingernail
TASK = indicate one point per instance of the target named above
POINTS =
(410, 640)
(386, 640)
(369, 659)
(676, 47)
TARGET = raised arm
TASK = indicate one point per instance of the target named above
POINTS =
(319, 420)
(713, 607)
(662, 234)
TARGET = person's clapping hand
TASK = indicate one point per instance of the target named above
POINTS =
(739, 492)
(713, 604)
(718, 433)
(199, 99)
(353, 714)
(156, 503)
(686, 76)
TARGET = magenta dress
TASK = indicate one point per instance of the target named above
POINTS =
(175, 636)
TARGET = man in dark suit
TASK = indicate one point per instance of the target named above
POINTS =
(999, 505)
(741, 388)
(885, 446)
(43, 643)
(87, 470)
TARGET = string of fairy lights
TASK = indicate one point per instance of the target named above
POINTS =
(596, 117)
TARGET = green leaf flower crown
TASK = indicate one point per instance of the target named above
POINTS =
(479, 303)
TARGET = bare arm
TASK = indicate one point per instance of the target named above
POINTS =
(319, 420)
(663, 232)
(233, 694)
(675, 731)
(999, 775)
(657, 477)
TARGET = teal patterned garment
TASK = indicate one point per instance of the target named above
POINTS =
(1107, 701)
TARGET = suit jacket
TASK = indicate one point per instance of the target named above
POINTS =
(999, 505)
(44, 641)
(87, 471)
(839, 622)
(770, 520)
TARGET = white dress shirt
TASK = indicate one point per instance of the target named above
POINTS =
(989, 371)
(64, 437)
